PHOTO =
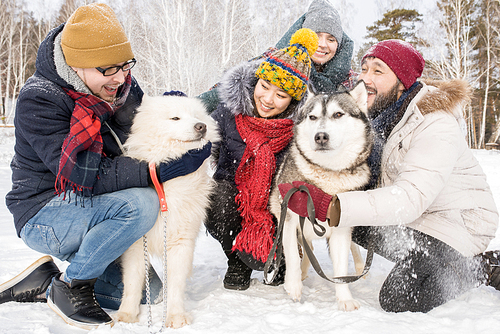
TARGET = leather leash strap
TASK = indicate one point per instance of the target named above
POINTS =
(158, 187)
(277, 248)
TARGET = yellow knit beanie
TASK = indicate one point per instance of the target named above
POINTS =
(93, 37)
(289, 68)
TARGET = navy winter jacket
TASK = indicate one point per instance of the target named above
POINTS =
(42, 121)
(230, 150)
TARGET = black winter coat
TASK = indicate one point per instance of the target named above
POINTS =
(42, 121)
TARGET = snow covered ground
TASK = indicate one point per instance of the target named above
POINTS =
(261, 308)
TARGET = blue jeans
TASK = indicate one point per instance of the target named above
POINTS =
(91, 233)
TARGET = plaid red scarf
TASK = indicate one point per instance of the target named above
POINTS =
(82, 148)
(264, 139)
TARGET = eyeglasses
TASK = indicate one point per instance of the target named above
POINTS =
(109, 71)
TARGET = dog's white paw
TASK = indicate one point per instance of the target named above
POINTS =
(125, 317)
(294, 290)
(348, 305)
(178, 320)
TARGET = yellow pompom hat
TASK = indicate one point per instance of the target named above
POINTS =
(93, 37)
(289, 68)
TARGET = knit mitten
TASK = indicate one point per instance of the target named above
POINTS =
(186, 164)
(298, 201)
(174, 93)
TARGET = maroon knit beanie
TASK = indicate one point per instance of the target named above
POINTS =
(403, 59)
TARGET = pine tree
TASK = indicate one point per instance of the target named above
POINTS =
(396, 24)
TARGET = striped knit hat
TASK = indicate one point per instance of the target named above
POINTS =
(289, 68)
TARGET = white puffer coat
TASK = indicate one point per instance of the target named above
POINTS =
(430, 180)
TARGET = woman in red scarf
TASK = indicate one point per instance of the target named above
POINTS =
(260, 99)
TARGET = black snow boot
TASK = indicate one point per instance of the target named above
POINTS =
(76, 303)
(30, 285)
(237, 274)
(492, 264)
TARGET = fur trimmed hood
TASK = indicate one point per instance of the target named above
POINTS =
(449, 96)
(237, 86)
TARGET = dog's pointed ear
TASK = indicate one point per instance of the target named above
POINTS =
(301, 111)
(360, 95)
(342, 89)
(310, 92)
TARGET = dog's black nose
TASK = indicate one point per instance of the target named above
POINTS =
(321, 138)
(200, 127)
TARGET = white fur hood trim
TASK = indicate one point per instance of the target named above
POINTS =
(237, 86)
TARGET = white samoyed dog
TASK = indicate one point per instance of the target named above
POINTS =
(165, 128)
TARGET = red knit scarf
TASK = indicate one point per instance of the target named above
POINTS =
(264, 138)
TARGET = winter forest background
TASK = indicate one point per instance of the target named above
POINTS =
(187, 44)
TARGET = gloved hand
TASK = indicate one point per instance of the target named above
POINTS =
(298, 201)
(174, 93)
(186, 164)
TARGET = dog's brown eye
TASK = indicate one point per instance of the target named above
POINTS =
(175, 119)
(338, 115)
(312, 117)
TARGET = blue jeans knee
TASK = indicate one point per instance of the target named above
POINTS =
(93, 233)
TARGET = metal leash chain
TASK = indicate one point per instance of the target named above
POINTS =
(148, 288)
(164, 213)
(164, 285)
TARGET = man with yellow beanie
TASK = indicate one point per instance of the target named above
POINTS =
(74, 195)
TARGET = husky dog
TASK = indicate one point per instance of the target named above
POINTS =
(165, 128)
(332, 141)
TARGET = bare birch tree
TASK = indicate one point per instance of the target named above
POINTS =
(491, 36)
(187, 44)
(487, 38)
(455, 62)
(10, 28)
(4, 19)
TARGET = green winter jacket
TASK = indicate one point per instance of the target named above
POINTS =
(336, 71)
